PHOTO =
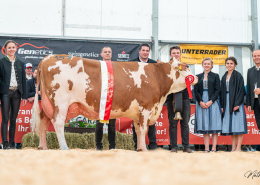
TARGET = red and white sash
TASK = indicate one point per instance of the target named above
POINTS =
(107, 91)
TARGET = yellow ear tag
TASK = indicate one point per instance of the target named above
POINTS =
(180, 67)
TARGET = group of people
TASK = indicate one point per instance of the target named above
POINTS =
(219, 103)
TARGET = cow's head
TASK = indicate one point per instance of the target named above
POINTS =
(180, 73)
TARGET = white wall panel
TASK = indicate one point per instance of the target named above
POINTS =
(204, 20)
(129, 19)
(173, 20)
(31, 17)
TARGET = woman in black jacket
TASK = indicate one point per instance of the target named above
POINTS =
(208, 113)
(12, 89)
(231, 99)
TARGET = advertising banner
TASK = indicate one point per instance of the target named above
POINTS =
(34, 50)
(193, 54)
(124, 125)
(23, 122)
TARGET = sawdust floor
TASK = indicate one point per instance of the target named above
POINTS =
(121, 167)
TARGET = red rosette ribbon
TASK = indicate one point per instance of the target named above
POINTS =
(189, 79)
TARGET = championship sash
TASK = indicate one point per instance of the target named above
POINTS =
(107, 91)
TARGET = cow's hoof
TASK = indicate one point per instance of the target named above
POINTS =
(42, 148)
(65, 148)
(139, 150)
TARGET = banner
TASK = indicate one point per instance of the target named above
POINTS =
(193, 54)
(34, 50)
(23, 122)
(124, 125)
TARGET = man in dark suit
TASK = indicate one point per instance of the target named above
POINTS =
(182, 101)
(253, 88)
(144, 51)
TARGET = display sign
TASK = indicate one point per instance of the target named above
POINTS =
(193, 54)
(34, 50)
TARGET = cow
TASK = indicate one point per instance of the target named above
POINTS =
(71, 86)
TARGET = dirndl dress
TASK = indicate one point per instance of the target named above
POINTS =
(234, 123)
(207, 121)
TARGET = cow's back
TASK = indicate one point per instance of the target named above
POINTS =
(74, 82)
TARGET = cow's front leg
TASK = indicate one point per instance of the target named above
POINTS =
(45, 122)
(141, 131)
(59, 129)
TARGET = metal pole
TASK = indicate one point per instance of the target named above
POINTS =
(63, 22)
(155, 30)
(254, 24)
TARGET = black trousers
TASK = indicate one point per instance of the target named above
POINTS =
(185, 114)
(10, 104)
(111, 134)
(257, 112)
(151, 136)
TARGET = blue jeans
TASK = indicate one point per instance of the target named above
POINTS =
(185, 114)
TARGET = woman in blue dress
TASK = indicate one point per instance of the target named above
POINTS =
(208, 113)
(232, 106)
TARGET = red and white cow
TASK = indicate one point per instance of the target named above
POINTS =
(71, 86)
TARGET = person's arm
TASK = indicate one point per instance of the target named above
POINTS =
(23, 81)
(216, 93)
(30, 88)
(196, 91)
(240, 92)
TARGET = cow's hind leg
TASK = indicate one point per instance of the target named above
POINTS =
(141, 131)
(58, 123)
(45, 122)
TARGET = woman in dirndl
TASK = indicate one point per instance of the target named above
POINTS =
(232, 106)
(208, 112)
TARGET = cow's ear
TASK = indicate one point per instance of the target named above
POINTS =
(158, 61)
(171, 60)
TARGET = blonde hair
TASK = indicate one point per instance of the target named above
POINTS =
(207, 58)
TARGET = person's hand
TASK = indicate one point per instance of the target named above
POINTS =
(209, 103)
(39, 92)
(24, 102)
(249, 109)
(236, 108)
(203, 105)
(257, 91)
(31, 99)
(222, 110)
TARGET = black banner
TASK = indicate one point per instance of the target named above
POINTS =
(34, 50)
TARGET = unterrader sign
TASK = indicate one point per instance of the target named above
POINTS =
(193, 54)
(34, 50)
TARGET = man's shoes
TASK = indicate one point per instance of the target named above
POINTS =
(100, 148)
(12, 145)
(174, 150)
(112, 147)
(5, 145)
(188, 150)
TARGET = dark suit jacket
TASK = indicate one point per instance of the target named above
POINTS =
(149, 60)
(5, 76)
(31, 90)
(213, 86)
(251, 80)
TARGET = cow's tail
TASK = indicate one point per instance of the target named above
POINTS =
(36, 119)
